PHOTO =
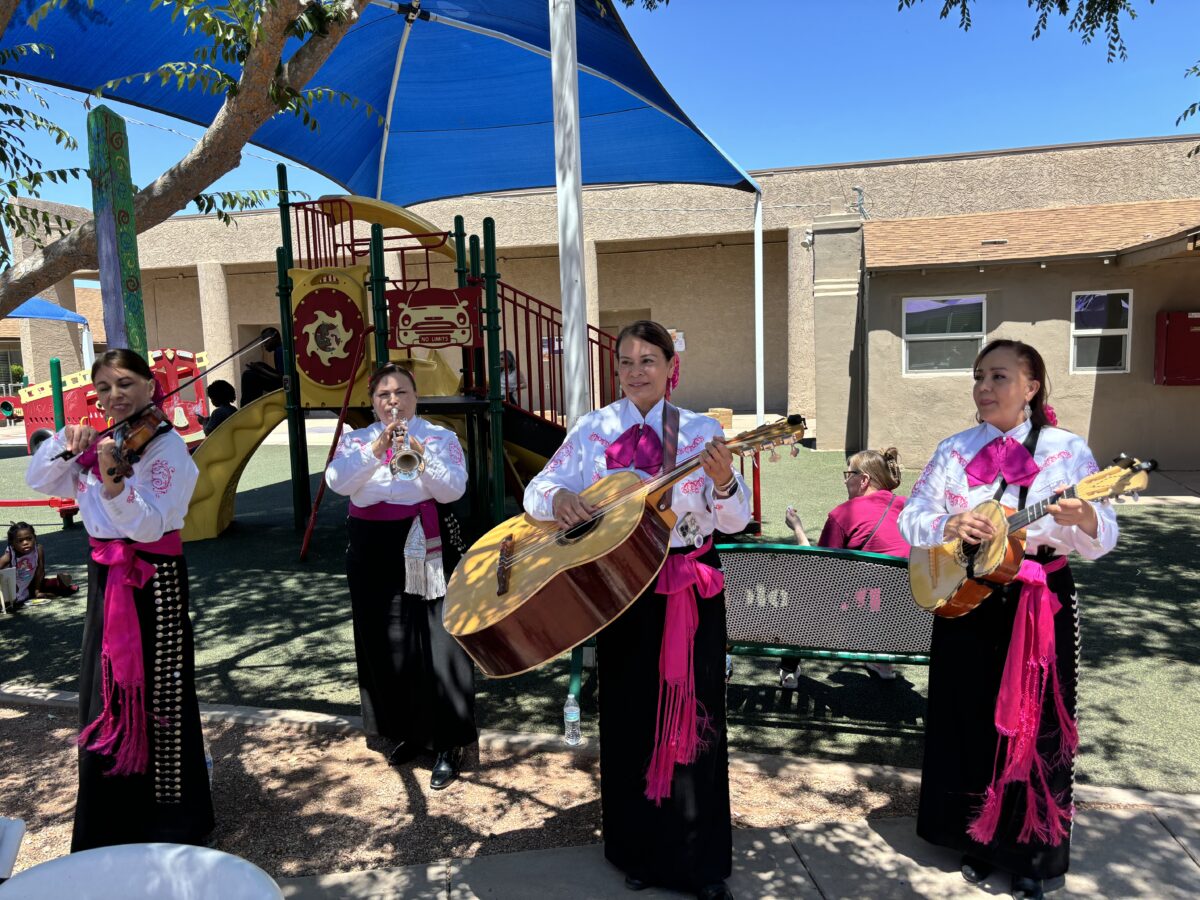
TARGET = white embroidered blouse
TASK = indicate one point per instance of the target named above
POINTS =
(580, 462)
(153, 502)
(1063, 459)
(357, 473)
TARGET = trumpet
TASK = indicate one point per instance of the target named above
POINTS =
(406, 463)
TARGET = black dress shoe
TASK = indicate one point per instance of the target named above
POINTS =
(1027, 888)
(635, 884)
(716, 891)
(975, 870)
(445, 769)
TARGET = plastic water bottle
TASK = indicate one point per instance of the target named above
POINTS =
(208, 765)
(572, 735)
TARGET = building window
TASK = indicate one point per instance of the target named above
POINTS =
(1100, 331)
(942, 334)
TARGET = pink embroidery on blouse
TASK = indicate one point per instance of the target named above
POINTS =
(924, 477)
(957, 499)
(456, 454)
(693, 485)
(129, 498)
(1091, 468)
(564, 452)
(596, 439)
(1055, 457)
(161, 474)
(959, 458)
(596, 476)
(350, 446)
(693, 445)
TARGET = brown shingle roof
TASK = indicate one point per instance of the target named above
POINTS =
(1027, 234)
(87, 304)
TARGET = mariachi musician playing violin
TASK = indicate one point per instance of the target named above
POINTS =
(142, 775)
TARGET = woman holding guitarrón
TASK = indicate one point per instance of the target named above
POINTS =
(1000, 723)
(663, 755)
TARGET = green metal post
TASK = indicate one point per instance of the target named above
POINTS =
(479, 361)
(285, 219)
(379, 311)
(116, 231)
(60, 417)
(460, 251)
(495, 400)
(297, 436)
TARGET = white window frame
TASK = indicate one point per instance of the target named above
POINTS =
(1126, 332)
(957, 336)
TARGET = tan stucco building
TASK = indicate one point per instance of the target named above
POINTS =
(683, 255)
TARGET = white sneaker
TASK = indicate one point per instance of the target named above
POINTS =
(787, 679)
(886, 671)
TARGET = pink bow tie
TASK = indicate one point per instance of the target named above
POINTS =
(1003, 455)
(638, 447)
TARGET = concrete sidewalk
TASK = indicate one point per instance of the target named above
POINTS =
(1153, 852)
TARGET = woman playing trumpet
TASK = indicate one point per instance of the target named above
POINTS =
(416, 683)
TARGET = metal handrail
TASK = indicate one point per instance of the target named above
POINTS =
(532, 332)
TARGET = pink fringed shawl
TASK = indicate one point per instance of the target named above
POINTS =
(681, 722)
(1030, 670)
(120, 729)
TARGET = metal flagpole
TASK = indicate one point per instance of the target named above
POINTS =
(564, 71)
(759, 380)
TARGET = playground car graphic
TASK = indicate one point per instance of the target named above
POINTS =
(432, 317)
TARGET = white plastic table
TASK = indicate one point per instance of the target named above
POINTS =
(144, 872)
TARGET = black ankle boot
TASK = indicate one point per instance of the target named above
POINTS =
(975, 870)
(1027, 888)
(445, 769)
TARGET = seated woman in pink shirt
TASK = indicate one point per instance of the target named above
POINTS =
(866, 521)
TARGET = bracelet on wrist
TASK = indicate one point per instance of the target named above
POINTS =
(726, 490)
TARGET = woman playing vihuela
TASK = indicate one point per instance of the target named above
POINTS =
(663, 754)
(416, 683)
(1000, 724)
(142, 774)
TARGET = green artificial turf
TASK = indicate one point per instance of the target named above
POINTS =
(274, 632)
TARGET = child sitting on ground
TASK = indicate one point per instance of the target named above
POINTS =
(26, 555)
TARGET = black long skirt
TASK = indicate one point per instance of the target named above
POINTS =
(171, 801)
(966, 663)
(687, 842)
(416, 683)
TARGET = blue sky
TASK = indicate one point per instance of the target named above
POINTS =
(798, 82)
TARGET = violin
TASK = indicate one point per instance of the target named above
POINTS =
(130, 438)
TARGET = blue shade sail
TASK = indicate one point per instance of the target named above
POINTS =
(37, 308)
(473, 109)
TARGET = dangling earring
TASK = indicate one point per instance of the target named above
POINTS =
(1028, 411)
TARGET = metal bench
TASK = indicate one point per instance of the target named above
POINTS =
(816, 603)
